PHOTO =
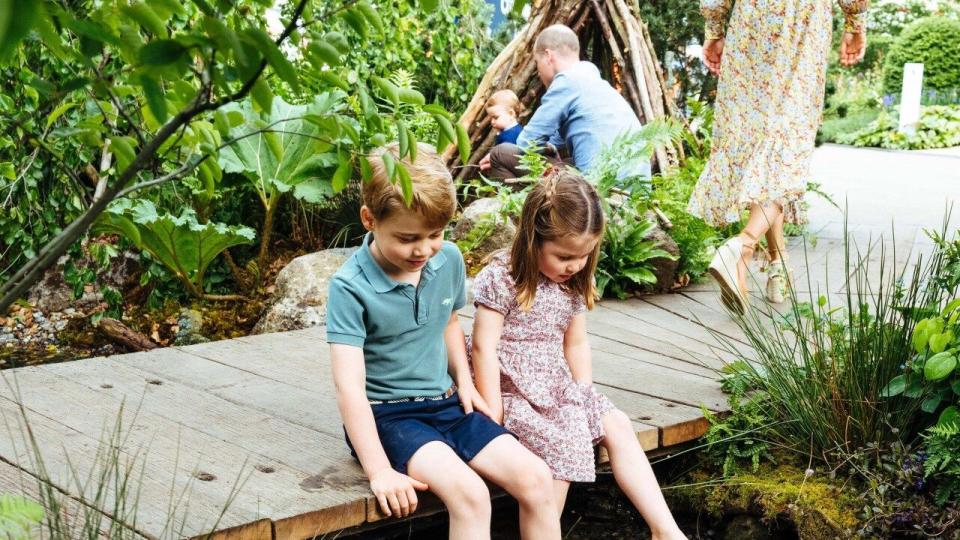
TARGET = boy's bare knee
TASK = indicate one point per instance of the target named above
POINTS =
(469, 495)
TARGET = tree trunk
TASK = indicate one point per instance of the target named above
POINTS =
(602, 25)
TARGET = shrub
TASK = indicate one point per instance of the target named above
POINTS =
(935, 42)
(939, 127)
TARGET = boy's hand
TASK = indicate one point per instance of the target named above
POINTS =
(471, 400)
(484, 163)
(396, 492)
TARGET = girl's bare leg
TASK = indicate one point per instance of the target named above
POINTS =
(560, 489)
(776, 245)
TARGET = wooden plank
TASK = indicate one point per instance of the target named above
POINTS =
(656, 381)
(322, 462)
(685, 307)
(676, 423)
(172, 448)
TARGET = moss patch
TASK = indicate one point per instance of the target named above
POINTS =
(819, 507)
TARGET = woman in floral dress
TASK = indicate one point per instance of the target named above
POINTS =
(772, 64)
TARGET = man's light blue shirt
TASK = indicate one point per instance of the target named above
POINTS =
(582, 111)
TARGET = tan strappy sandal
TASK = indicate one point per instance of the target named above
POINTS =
(779, 281)
(723, 268)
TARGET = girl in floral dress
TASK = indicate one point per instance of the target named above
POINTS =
(530, 352)
(772, 66)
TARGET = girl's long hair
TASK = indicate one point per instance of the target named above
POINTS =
(562, 204)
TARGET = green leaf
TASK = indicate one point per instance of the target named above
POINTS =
(274, 55)
(366, 171)
(639, 275)
(313, 191)
(950, 415)
(388, 89)
(371, 15)
(463, 143)
(413, 145)
(356, 21)
(342, 175)
(225, 38)
(404, 138)
(146, 18)
(931, 403)
(290, 157)
(921, 336)
(446, 128)
(390, 165)
(161, 52)
(955, 386)
(18, 516)
(17, 17)
(123, 149)
(222, 122)
(331, 78)
(182, 244)
(324, 53)
(262, 95)
(914, 387)
(409, 95)
(406, 184)
(339, 41)
(938, 342)
(951, 307)
(895, 387)
(155, 98)
(939, 366)
(59, 111)
(429, 5)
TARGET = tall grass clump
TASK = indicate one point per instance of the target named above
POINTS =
(822, 367)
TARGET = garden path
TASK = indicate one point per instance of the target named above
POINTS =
(254, 419)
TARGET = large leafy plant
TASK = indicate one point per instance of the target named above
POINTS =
(624, 265)
(183, 245)
(150, 78)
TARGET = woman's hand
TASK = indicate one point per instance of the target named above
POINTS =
(471, 400)
(712, 53)
(396, 492)
(852, 48)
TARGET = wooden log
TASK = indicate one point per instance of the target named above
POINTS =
(122, 334)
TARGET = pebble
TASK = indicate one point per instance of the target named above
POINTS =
(30, 328)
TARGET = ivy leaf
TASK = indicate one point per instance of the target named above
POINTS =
(162, 52)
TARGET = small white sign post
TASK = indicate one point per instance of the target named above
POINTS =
(910, 97)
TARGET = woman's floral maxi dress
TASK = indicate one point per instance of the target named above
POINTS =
(769, 102)
(554, 416)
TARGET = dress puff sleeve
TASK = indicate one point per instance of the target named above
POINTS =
(854, 15)
(715, 14)
(492, 288)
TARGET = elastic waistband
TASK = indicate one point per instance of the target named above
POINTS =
(450, 391)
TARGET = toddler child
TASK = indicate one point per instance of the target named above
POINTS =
(504, 108)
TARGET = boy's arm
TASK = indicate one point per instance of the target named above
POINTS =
(487, 327)
(546, 120)
(393, 490)
(576, 349)
(459, 368)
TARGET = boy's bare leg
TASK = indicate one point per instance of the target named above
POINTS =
(560, 489)
(505, 462)
(635, 476)
(458, 487)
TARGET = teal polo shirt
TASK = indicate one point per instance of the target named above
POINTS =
(399, 326)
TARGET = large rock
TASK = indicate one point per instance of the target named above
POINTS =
(300, 300)
(665, 269)
(52, 293)
(483, 228)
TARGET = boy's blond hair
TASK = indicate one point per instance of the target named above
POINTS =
(508, 99)
(434, 196)
(558, 38)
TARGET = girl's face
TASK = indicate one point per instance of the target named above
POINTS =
(562, 258)
(501, 117)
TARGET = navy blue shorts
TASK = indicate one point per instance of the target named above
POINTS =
(405, 427)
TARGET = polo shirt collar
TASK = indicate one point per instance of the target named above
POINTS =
(379, 279)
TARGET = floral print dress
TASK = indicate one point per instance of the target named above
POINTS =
(769, 102)
(553, 415)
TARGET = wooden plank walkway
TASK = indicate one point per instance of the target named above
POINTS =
(254, 419)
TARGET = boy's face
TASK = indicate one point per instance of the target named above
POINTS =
(403, 243)
(501, 117)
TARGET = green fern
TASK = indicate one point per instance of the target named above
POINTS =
(943, 461)
(738, 437)
(18, 515)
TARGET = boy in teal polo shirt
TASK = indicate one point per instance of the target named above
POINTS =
(411, 413)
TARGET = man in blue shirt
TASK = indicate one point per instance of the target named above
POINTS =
(579, 113)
